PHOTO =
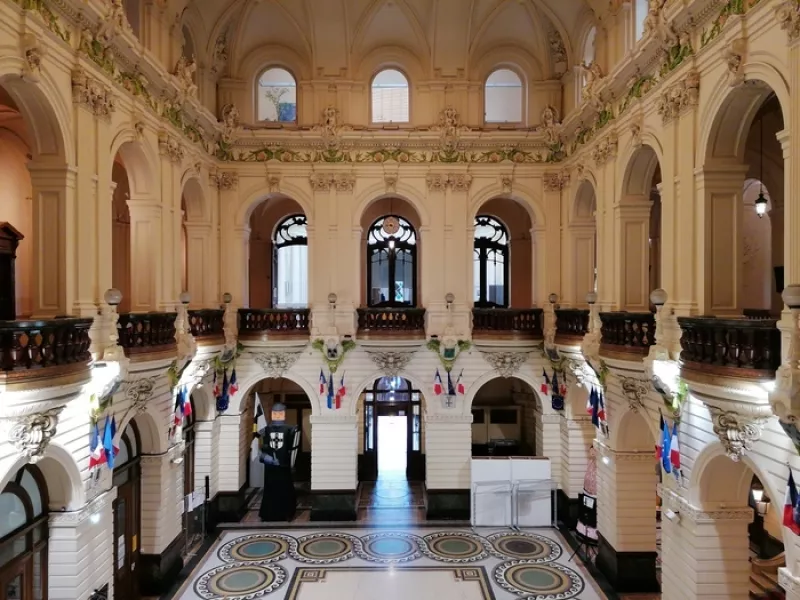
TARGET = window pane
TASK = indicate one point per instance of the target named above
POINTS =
(640, 12)
(503, 97)
(476, 274)
(495, 277)
(379, 264)
(277, 96)
(12, 513)
(390, 97)
(404, 277)
(30, 486)
(292, 277)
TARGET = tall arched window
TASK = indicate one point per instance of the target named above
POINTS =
(640, 11)
(390, 97)
(503, 97)
(290, 263)
(490, 263)
(23, 536)
(391, 263)
(277, 96)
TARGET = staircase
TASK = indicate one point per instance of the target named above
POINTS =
(764, 578)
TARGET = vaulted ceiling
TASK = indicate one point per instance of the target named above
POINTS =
(337, 37)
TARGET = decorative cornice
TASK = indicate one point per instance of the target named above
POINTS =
(736, 431)
(73, 518)
(325, 182)
(91, 94)
(30, 434)
(681, 505)
(391, 363)
(276, 364)
(679, 97)
(506, 364)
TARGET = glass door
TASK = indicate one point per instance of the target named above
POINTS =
(16, 584)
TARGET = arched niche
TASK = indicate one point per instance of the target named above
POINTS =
(507, 409)
(582, 231)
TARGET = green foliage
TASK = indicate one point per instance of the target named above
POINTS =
(435, 345)
(333, 364)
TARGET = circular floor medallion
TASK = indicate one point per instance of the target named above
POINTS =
(258, 548)
(537, 581)
(454, 547)
(524, 546)
(389, 547)
(240, 582)
(326, 548)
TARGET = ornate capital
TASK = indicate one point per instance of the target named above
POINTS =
(227, 180)
(170, 147)
(30, 434)
(91, 94)
(436, 182)
(391, 363)
(605, 150)
(276, 364)
(679, 97)
(736, 431)
(459, 182)
(635, 391)
(555, 182)
(325, 182)
(506, 364)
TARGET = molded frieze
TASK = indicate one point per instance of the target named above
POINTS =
(681, 505)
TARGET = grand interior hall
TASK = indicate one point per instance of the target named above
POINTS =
(358, 299)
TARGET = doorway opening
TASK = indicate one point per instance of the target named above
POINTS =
(392, 447)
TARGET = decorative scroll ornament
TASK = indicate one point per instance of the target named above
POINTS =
(139, 391)
(391, 363)
(734, 59)
(555, 182)
(736, 432)
(605, 150)
(170, 147)
(506, 364)
(330, 128)
(92, 94)
(679, 97)
(333, 351)
(31, 434)
(227, 180)
(448, 350)
(276, 364)
(635, 391)
(788, 15)
(450, 129)
(325, 182)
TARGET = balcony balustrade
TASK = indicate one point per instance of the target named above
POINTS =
(571, 325)
(35, 350)
(147, 336)
(261, 323)
(207, 325)
(402, 322)
(507, 323)
(627, 335)
(742, 348)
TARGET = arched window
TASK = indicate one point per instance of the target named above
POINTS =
(390, 97)
(588, 52)
(503, 97)
(277, 96)
(391, 263)
(490, 263)
(23, 536)
(640, 11)
(290, 263)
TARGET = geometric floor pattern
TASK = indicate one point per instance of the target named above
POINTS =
(405, 563)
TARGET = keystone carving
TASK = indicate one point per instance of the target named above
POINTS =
(274, 183)
(636, 135)
(506, 364)
(31, 434)
(91, 94)
(227, 180)
(170, 147)
(391, 363)
(679, 97)
(391, 183)
(325, 182)
(635, 391)
(139, 391)
(734, 59)
(450, 128)
(330, 128)
(507, 182)
(736, 432)
(788, 15)
(605, 150)
(276, 364)
(33, 53)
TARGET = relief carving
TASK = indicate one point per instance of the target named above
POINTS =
(330, 128)
(555, 182)
(220, 53)
(170, 147)
(450, 128)
(227, 180)
(325, 182)
(276, 364)
(30, 434)
(558, 53)
(507, 182)
(734, 59)
(139, 391)
(436, 182)
(788, 15)
(635, 391)
(230, 122)
(114, 23)
(33, 53)
(506, 364)
(679, 97)
(184, 72)
(459, 182)
(736, 432)
(605, 150)
(91, 94)
(391, 183)
(551, 126)
(391, 363)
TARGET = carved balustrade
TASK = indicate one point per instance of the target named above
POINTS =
(627, 335)
(742, 348)
(207, 325)
(525, 323)
(147, 336)
(408, 322)
(571, 325)
(259, 323)
(32, 350)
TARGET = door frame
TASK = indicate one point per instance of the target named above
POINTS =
(127, 478)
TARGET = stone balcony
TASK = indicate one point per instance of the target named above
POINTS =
(627, 335)
(147, 336)
(207, 326)
(572, 325)
(524, 324)
(391, 322)
(263, 324)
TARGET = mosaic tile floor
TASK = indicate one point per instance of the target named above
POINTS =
(366, 564)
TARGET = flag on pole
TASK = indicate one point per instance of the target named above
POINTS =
(665, 451)
(556, 386)
(330, 391)
(216, 385)
(545, 383)
(223, 398)
(790, 506)
(589, 400)
(96, 454)
(675, 450)
(260, 422)
(108, 444)
(595, 410)
(460, 386)
(187, 403)
(322, 382)
(340, 393)
(115, 441)
(601, 407)
(451, 390)
(234, 385)
(661, 438)
(177, 410)
(437, 384)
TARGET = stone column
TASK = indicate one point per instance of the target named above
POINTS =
(334, 462)
(548, 441)
(704, 554)
(632, 254)
(145, 254)
(80, 552)
(234, 240)
(448, 452)
(579, 276)
(577, 435)
(626, 520)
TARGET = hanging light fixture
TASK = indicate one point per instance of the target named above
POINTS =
(761, 201)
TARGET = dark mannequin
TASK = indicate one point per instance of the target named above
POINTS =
(279, 443)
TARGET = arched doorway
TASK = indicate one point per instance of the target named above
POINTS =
(127, 514)
(504, 419)
(392, 446)
(24, 537)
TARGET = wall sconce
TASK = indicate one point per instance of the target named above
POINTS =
(113, 297)
(762, 503)
(449, 299)
(591, 298)
(332, 298)
(185, 298)
(227, 298)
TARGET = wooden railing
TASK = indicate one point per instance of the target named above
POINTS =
(748, 348)
(147, 333)
(36, 349)
(391, 321)
(259, 322)
(571, 324)
(207, 323)
(627, 335)
(507, 322)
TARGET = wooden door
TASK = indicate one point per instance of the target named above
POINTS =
(415, 461)
(126, 539)
(17, 583)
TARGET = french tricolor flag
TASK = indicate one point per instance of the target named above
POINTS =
(790, 506)
(545, 383)
(97, 455)
(437, 384)
(322, 382)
